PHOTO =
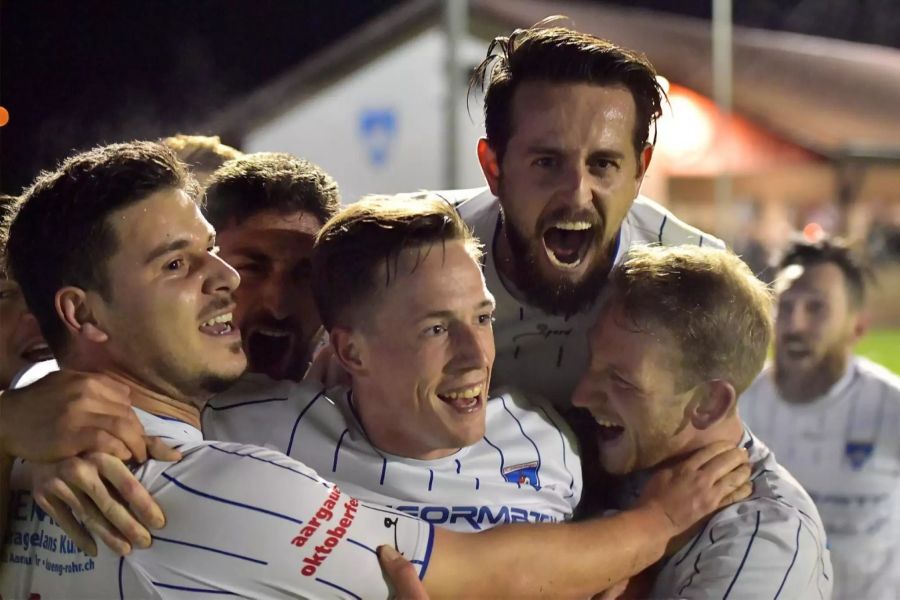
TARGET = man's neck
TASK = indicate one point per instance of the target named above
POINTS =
(730, 429)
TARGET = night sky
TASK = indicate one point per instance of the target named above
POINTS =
(77, 73)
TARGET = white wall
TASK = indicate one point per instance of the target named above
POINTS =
(380, 130)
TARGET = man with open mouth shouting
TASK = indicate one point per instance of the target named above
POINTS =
(567, 119)
(267, 209)
(21, 342)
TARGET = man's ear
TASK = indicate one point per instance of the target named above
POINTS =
(712, 402)
(489, 165)
(76, 309)
(644, 163)
(861, 324)
(349, 349)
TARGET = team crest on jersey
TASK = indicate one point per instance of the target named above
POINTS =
(524, 474)
(858, 453)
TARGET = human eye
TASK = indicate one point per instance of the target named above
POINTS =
(174, 265)
(545, 162)
(8, 293)
(602, 164)
(435, 330)
(486, 319)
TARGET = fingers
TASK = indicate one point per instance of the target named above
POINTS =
(127, 429)
(401, 574)
(98, 510)
(739, 494)
(725, 463)
(131, 492)
(705, 454)
(99, 440)
(159, 450)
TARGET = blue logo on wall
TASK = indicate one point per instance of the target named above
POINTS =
(378, 127)
(524, 474)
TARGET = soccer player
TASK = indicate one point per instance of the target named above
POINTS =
(683, 334)
(833, 418)
(267, 209)
(404, 300)
(21, 342)
(146, 300)
(567, 119)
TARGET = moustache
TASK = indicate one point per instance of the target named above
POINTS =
(221, 302)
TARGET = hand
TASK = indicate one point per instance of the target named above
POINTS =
(67, 413)
(613, 592)
(697, 486)
(327, 370)
(401, 574)
(78, 494)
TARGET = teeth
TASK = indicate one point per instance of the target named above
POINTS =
(471, 393)
(226, 318)
(273, 332)
(573, 225)
(603, 422)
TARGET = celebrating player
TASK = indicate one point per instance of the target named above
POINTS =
(567, 119)
(409, 317)
(121, 270)
(833, 417)
(684, 332)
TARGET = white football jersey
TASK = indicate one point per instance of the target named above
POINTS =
(241, 521)
(538, 352)
(526, 468)
(845, 449)
(771, 545)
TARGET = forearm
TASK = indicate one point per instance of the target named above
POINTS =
(542, 560)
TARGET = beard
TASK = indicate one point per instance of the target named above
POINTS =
(799, 385)
(559, 295)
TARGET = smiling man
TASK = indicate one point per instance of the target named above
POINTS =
(21, 342)
(567, 119)
(684, 332)
(399, 289)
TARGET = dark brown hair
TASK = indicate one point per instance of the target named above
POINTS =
(857, 273)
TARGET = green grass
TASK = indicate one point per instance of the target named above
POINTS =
(882, 346)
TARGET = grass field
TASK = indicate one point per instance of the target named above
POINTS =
(883, 347)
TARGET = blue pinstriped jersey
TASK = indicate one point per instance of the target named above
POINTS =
(844, 448)
(538, 352)
(526, 468)
(242, 521)
(770, 545)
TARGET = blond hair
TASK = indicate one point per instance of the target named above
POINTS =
(204, 153)
(717, 312)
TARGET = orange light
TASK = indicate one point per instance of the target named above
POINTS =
(813, 232)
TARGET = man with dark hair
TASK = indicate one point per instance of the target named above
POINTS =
(568, 120)
(288, 532)
(21, 342)
(267, 209)
(203, 154)
(832, 417)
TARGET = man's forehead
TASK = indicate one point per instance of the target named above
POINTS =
(302, 222)
(814, 279)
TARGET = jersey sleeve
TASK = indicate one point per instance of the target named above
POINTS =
(764, 551)
(250, 522)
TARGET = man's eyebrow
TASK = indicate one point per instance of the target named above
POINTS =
(165, 248)
(449, 313)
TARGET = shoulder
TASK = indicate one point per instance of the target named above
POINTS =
(876, 374)
(259, 390)
(649, 222)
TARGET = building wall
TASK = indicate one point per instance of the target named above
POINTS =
(381, 130)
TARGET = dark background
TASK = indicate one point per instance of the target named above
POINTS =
(77, 73)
